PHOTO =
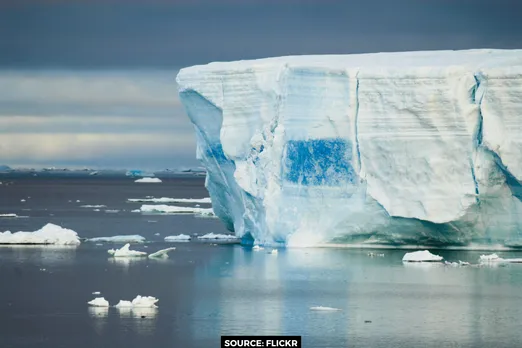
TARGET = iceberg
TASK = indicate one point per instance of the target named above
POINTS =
(99, 302)
(178, 238)
(125, 251)
(132, 238)
(148, 180)
(49, 234)
(421, 256)
(410, 148)
(172, 209)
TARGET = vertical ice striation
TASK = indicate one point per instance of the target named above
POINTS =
(416, 147)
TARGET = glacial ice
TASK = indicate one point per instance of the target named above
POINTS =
(421, 256)
(139, 302)
(171, 200)
(148, 180)
(125, 251)
(131, 238)
(163, 253)
(178, 238)
(49, 234)
(172, 209)
(213, 235)
(99, 302)
(418, 148)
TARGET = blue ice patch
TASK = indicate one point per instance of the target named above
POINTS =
(319, 162)
(216, 151)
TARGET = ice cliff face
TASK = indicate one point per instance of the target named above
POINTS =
(407, 148)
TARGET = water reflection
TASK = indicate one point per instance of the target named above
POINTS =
(143, 319)
(47, 255)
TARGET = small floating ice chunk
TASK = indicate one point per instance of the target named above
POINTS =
(452, 264)
(78, 201)
(157, 234)
(49, 234)
(145, 302)
(163, 253)
(132, 238)
(463, 263)
(172, 209)
(9, 215)
(99, 302)
(326, 309)
(148, 180)
(96, 293)
(257, 247)
(171, 200)
(124, 304)
(125, 251)
(112, 211)
(96, 210)
(490, 258)
(273, 251)
(93, 206)
(22, 200)
(178, 238)
(421, 256)
(213, 235)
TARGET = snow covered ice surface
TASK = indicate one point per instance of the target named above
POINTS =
(148, 180)
(125, 251)
(421, 256)
(132, 238)
(49, 234)
(391, 148)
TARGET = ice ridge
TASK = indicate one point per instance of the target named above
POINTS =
(389, 148)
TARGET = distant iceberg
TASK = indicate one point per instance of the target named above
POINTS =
(148, 180)
(404, 148)
(49, 234)
(421, 256)
(178, 238)
(171, 200)
(132, 238)
(172, 209)
(218, 236)
(99, 302)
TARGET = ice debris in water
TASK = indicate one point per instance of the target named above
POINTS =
(257, 247)
(96, 293)
(421, 256)
(163, 253)
(148, 180)
(132, 238)
(172, 209)
(93, 206)
(178, 238)
(125, 251)
(139, 302)
(496, 258)
(326, 309)
(171, 200)
(49, 234)
(22, 200)
(273, 251)
(99, 302)
(9, 215)
(213, 235)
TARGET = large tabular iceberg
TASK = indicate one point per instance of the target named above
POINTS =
(389, 148)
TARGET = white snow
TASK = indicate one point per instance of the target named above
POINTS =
(178, 238)
(125, 251)
(213, 235)
(315, 149)
(148, 180)
(132, 238)
(99, 302)
(172, 209)
(171, 200)
(325, 309)
(421, 256)
(49, 234)
(163, 253)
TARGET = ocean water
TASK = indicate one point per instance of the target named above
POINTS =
(208, 289)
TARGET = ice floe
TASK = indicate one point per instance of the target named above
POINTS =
(99, 302)
(112, 211)
(171, 200)
(96, 293)
(325, 309)
(495, 258)
(93, 206)
(213, 235)
(163, 253)
(49, 234)
(139, 302)
(421, 256)
(8, 215)
(132, 238)
(178, 238)
(257, 247)
(148, 180)
(125, 251)
(172, 209)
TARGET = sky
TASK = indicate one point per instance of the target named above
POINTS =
(92, 82)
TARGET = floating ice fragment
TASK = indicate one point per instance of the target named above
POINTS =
(139, 302)
(273, 251)
(99, 302)
(49, 234)
(326, 309)
(213, 235)
(157, 234)
(126, 252)
(96, 293)
(421, 256)
(163, 253)
(178, 238)
(172, 209)
(93, 206)
(10, 215)
(22, 200)
(171, 200)
(463, 263)
(490, 258)
(124, 304)
(132, 238)
(112, 211)
(257, 247)
(148, 180)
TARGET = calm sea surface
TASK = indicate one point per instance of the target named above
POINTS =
(208, 290)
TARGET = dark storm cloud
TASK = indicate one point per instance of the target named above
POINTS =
(179, 33)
